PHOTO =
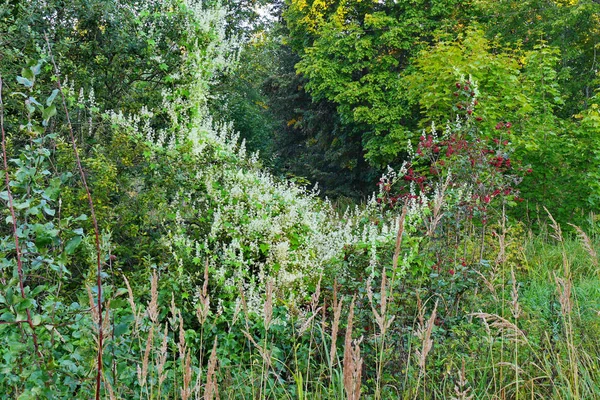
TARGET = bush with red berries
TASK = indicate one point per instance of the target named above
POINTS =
(461, 180)
(477, 170)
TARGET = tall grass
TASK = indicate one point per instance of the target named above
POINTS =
(518, 347)
(518, 334)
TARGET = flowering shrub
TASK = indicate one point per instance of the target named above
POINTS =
(249, 226)
(457, 183)
(476, 172)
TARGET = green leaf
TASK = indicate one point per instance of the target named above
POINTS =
(24, 81)
(50, 99)
(120, 329)
(264, 248)
(38, 289)
(8, 317)
(23, 304)
(49, 211)
(49, 112)
(27, 74)
(72, 244)
(34, 101)
(36, 69)
(37, 129)
(82, 217)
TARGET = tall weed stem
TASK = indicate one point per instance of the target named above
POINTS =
(94, 221)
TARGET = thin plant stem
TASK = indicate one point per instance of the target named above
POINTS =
(94, 221)
(383, 321)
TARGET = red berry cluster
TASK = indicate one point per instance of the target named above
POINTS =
(455, 265)
(467, 101)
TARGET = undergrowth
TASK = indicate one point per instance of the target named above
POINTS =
(203, 276)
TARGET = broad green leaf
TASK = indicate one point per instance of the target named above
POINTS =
(49, 112)
(120, 329)
(50, 99)
(27, 74)
(82, 217)
(72, 244)
(49, 211)
(8, 317)
(24, 81)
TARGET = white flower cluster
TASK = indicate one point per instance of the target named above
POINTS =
(255, 227)
(260, 227)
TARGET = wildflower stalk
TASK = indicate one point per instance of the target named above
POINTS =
(268, 317)
(564, 287)
(424, 331)
(352, 360)
(386, 291)
(516, 312)
(212, 389)
(309, 323)
(337, 312)
(202, 312)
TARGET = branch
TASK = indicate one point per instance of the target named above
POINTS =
(94, 220)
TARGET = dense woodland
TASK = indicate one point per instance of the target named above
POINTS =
(308, 199)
